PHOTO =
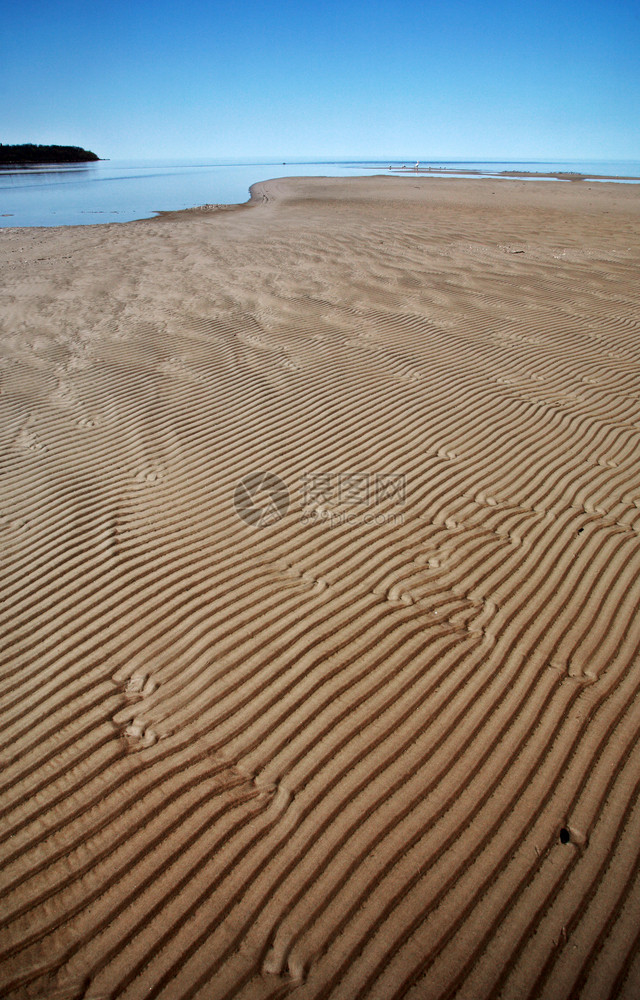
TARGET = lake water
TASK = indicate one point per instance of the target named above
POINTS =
(123, 190)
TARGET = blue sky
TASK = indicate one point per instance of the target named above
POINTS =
(476, 78)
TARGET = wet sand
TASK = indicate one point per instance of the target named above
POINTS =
(368, 728)
(557, 175)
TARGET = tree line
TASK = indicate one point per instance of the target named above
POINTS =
(29, 153)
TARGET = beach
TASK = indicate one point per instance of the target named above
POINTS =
(319, 597)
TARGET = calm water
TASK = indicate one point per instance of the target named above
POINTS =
(120, 191)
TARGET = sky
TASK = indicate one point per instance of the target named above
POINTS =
(491, 79)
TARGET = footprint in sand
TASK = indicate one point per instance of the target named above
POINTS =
(574, 673)
(279, 960)
(28, 441)
(136, 732)
(133, 728)
(64, 393)
(172, 366)
(319, 583)
(138, 735)
(150, 475)
(410, 375)
(396, 594)
(485, 499)
(440, 519)
(591, 508)
(78, 363)
(287, 363)
(140, 685)
(432, 560)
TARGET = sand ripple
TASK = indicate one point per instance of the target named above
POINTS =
(386, 743)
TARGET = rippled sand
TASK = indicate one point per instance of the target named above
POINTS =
(378, 737)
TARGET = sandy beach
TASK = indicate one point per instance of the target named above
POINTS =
(319, 597)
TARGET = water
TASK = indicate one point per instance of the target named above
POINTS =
(120, 191)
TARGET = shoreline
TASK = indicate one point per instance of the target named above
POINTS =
(442, 174)
(368, 722)
(560, 175)
(273, 190)
(258, 191)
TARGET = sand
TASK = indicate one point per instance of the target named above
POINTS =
(372, 731)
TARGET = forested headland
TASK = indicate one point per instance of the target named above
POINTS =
(30, 153)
